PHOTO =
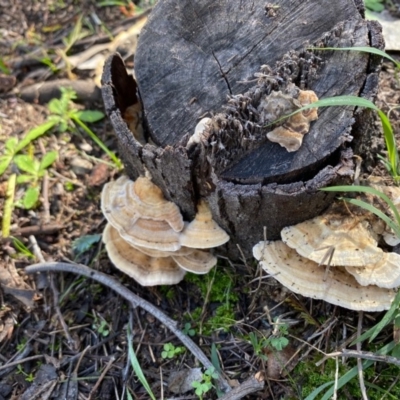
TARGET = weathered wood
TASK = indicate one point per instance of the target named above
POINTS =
(249, 182)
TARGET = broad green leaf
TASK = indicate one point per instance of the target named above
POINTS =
(25, 178)
(25, 163)
(84, 243)
(90, 115)
(56, 107)
(63, 126)
(4, 163)
(34, 134)
(11, 145)
(47, 160)
(30, 198)
(8, 205)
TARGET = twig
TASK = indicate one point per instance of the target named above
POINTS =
(21, 361)
(37, 230)
(45, 195)
(103, 374)
(253, 384)
(365, 355)
(359, 362)
(335, 388)
(135, 300)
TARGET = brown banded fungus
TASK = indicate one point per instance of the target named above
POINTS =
(203, 232)
(146, 270)
(145, 232)
(290, 134)
(307, 278)
(351, 242)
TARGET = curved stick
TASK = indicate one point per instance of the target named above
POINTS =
(135, 302)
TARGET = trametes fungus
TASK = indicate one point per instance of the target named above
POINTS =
(290, 134)
(148, 271)
(343, 241)
(335, 257)
(203, 232)
(147, 233)
(307, 278)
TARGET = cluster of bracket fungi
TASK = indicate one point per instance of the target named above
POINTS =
(146, 236)
(335, 257)
(272, 107)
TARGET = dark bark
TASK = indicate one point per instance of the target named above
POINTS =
(193, 56)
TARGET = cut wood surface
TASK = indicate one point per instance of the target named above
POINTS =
(199, 59)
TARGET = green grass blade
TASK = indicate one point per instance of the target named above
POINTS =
(366, 189)
(377, 212)
(349, 375)
(93, 136)
(359, 102)
(389, 316)
(137, 368)
(371, 50)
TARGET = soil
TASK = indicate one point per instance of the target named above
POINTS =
(65, 336)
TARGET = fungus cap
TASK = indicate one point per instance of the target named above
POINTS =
(114, 205)
(148, 271)
(203, 232)
(198, 261)
(149, 202)
(307, 97)
(199, 134)
(385, 273)
(350, 242)
(287, 138)
(307, 278)
(157, 235)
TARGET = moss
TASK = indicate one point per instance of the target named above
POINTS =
(222, 284)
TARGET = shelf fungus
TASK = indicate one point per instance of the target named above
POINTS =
(307, 278)
(146, 270)
(290, 134)
(335, 257)
(343, 241)
(146, 236)
(203, 232)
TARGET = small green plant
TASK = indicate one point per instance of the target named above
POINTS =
(258, 345)
(34, 170)
(206, 383)
(66, 116)
(28, 377)
(101, 326)
(188, 330)
(170, 351)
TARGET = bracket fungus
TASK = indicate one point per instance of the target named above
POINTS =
(290, 134)
(352, 242)
(335, 257)
(307, 278)
(203, 232)
(147, 238)
(146, 270)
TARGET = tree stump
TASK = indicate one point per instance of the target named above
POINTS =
(220, 59)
